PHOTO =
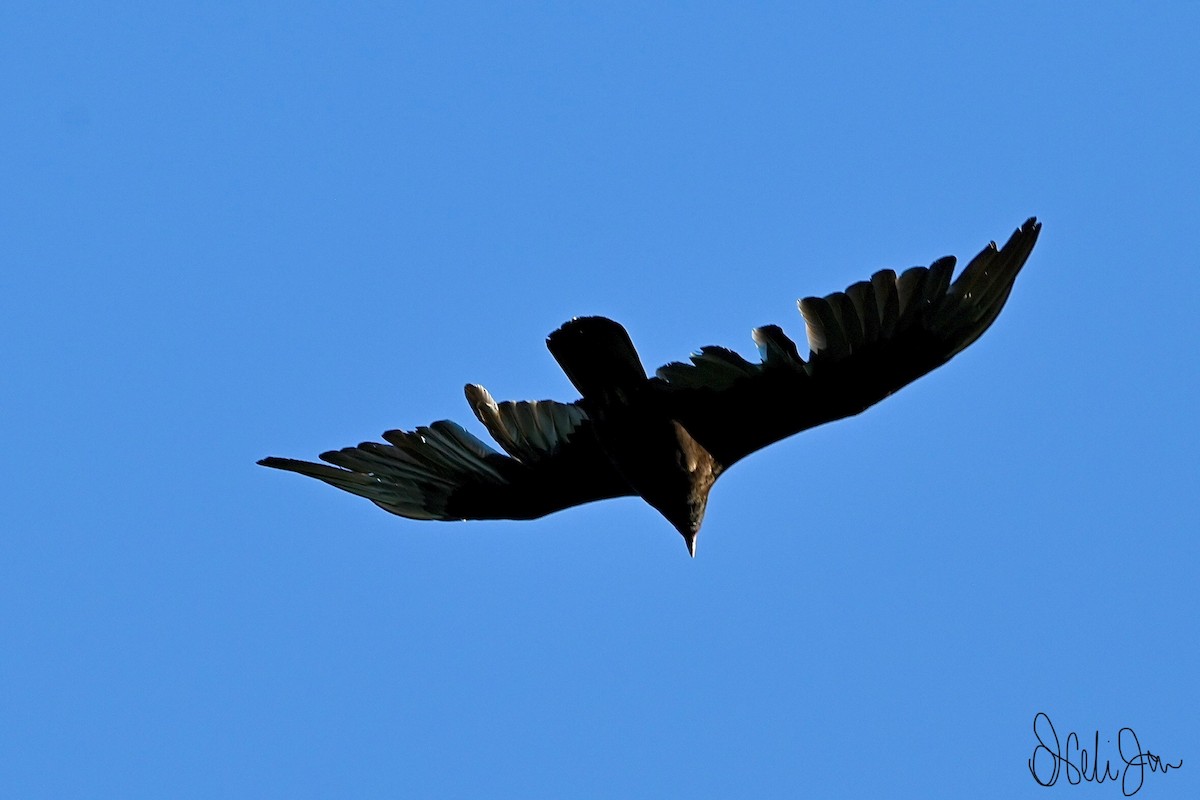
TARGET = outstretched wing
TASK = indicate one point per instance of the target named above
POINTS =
(866, 342)
(443, 472)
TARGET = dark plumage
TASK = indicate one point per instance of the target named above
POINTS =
(668, 438)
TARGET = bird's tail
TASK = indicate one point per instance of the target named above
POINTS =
(598, 357)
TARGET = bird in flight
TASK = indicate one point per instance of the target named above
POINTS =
(669, 437)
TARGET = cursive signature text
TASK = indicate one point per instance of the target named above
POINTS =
(1050, 759)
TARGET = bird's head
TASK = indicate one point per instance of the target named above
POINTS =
(684, 509)
(699, 470)
(683, 505)
(682, 501)
(689, 525)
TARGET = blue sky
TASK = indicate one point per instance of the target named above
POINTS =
(233, 231)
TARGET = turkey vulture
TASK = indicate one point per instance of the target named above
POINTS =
(668, 438)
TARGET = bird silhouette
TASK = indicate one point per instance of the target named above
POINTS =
(669, 437)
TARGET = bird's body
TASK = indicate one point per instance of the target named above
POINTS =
(669, 437)
(634, 423)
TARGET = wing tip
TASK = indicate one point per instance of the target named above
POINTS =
(1030, 229)
(275, 462)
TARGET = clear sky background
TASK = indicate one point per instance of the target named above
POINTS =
(234, 230)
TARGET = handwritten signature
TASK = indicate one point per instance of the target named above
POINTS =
(1086, 766)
